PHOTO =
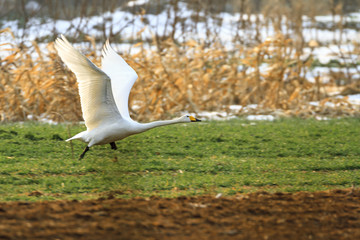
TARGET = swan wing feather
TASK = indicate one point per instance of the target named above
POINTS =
(97, 102)
(122, 77)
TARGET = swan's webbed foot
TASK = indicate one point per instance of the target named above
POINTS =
(83, 154)
(113, 145)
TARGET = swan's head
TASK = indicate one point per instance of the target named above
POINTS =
(188, 118)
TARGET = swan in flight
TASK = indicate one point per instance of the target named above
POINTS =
(104, 94)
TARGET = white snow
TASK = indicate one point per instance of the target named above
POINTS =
(205, 115)
(354, 99)
(137, 2)
(32, 6)
(260, 118)
(129, 25)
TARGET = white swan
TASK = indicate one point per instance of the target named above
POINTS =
(104, 95)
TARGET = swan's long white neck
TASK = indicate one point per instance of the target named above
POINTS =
(147, 126)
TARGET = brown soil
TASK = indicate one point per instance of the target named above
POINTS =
(321, 215)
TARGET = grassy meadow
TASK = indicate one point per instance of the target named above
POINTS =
(227, 157)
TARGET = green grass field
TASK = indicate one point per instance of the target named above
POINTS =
(226, 157)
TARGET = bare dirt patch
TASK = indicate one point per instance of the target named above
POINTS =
(322, 215)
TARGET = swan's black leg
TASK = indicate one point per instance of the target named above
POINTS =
(83, 154)
(113, 145)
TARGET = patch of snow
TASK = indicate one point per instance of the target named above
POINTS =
(137, 2)
(322, 118)
(32, 6)
(314, 103)
(235, 107)
(214, 115)
(260, 118)
(249, 107)
(48, 121)
(327, 104)
(130, 24)
(354, 99)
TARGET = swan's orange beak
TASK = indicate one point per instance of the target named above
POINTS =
(194, 119)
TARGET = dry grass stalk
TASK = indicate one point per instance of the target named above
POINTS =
(180, 77)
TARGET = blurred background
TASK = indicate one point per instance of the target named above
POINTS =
(217, 59)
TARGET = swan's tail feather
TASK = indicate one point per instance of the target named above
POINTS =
(70, 139)
(77, 136)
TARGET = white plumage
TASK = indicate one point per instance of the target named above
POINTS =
(104, 95)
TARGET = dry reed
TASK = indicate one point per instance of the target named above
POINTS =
(191, 76)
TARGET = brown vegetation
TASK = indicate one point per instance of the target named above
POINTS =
(179, 76)
(183, 77)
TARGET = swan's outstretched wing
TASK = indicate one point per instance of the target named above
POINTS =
(122, 77)
(96, 98)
